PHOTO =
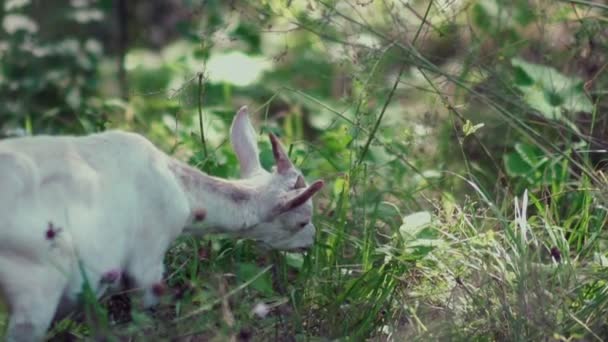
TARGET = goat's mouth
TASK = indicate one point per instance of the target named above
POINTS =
(269, 246)
(297, 250)
(294, 247)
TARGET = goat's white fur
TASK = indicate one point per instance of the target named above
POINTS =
(116, 202)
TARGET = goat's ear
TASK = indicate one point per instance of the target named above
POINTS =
(280, 156)
(300, 198)
(242, 137)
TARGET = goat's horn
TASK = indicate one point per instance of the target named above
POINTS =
(280, 157)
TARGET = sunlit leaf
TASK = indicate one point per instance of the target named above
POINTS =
(340, 185)
(247, 271)
(468, 128)
(481, 17)
(93, 46)
(236, 68)
(13, 23)
(548, 91)
(87, 15)
(11, 5)
(294, 260)
(530, 153)
(74, 98)
(413, 224)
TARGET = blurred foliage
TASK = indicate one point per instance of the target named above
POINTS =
(49, 84)
(463, 143)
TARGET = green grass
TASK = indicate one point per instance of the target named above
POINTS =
(465, 198)
(484, 277)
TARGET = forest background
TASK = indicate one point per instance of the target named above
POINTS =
(463, 144)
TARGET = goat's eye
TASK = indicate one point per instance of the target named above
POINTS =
(303, 224)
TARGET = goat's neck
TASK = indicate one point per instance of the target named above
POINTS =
(216, 204)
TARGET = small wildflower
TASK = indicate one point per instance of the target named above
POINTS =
(158, 289)
(245, 335)
(203, 254)
(556, 254)
(261, 310)
(111, 277)
(181, 291)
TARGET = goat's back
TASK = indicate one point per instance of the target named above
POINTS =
(89, 189)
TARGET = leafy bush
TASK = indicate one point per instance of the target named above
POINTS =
(462, 144)
(49, 85)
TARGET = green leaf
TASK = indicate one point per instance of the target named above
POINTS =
(236, 68)
(340, 185)
(548, 91)
(521, 78)
(266, 156)
(469, 128)
(481, 17)
(295, 260)
(419, 237)
(247, 271)
(524, 13)
(531, 162)
(515, 165)
(413, 224)
(418, 252)
(531, 154)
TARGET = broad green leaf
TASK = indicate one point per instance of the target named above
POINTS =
(418, 252)
(550, 92)
(236, 68)
(414, 223)
(530, 162)
(521, 78)
(481, 17)
(515, 165)
(295, 260)
(420, 238)
(600, 260)
(529, 153)
(247, 271)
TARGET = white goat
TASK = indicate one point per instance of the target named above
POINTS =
(112, 202)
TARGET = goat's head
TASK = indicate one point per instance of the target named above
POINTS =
(284, 196)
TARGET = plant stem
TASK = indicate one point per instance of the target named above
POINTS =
(200, 112)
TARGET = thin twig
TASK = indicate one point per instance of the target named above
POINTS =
(448, 105)
(387, 146)
(213, 303)
(392, 92)
(587, 3)
(541, 141)
(200, 112)
(377, 124)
